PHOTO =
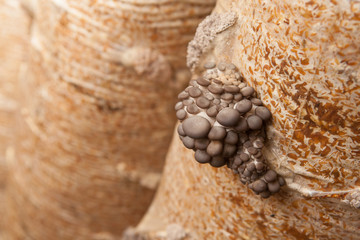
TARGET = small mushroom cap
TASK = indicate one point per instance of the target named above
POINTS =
(265, 194)
(216, 101)
(222, 66)
(188, 142)
(181, 114)
(258, 155)
(191, 83)
(237, 162)
(203, 82)
(247, 91)
(246, 173)
(270, 176)
(228, 117)
(202, 143)
(215, 88)
(229, 150)
(194, 92)
(256, 101)
(243, 137)
(259, 186)
(227, 96)
(187, 102)
(244, 157)
(242, 125)
(254, 122)
(217, 133)
(258, 144)
(218, 161)
(232, 89)
(281, 181)
(260, 166)
(244, 106)
(274, 187)
(203, 102)
(202, 157)
(196, 127)
(252, 150)
(183, 95)
(212, 111)
(209, 96)
(214, 148)
(192, 109)
(180, 130)
(251, 167)
(224, 105)
(247, 144)
(231, 137)
(263, 113)
(254, 176)
(238, 97)
(241, 168)
(178, 106)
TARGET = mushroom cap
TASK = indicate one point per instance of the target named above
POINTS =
(228, 117)
(254, 122)
(217, 133)
(263, 113)
(244, 106)
(196, 127)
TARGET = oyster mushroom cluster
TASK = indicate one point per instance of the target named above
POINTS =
(223, 121)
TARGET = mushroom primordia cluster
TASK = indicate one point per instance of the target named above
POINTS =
(222, 120)
(353, 198)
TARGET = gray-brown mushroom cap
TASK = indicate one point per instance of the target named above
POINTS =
(254, 122)
(228, 117)
(196, 127)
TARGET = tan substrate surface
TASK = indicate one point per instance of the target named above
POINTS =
(97, 114)
(14, 32)
(303, 59)
(210, 203)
